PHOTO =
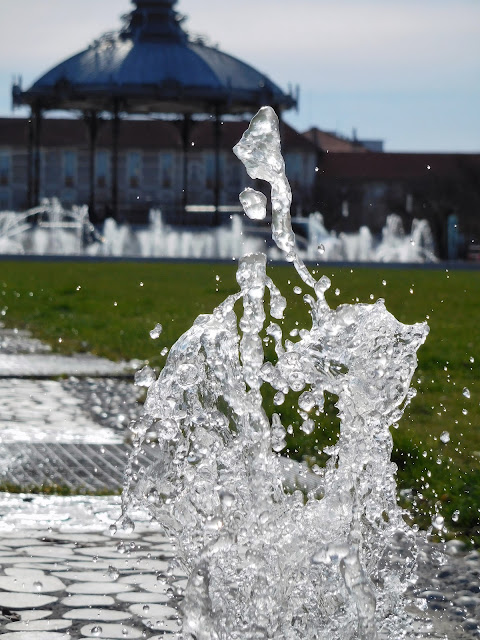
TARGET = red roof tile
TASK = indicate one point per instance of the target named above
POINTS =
(330, 142)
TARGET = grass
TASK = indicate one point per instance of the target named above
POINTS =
(109, 309)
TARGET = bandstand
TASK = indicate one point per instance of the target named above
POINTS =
(150, 66)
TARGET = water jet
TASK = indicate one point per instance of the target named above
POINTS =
(262, 562)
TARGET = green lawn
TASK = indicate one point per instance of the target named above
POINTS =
(109, 309)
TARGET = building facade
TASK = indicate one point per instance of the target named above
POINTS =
(151, 166)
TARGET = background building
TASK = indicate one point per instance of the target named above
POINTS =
(150, 167)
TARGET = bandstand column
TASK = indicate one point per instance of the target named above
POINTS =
(92, 123)
(37, 127)
(115, 136)
(186, 128)
(31, 138)
(217, 144)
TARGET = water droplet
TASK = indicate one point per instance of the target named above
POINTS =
(438, 522)
(113, 529)
(38, 586)
(445, 437)
(279, 398)
(308, 426)
(141, 284)
(337, 291)
(384, 282)
(465, 412)
(321, 249)
(112, 573)
(188, 375)
(146, 608)
(96, 630)
(164, 351)
(254, 203)
(472, 359)
(152, 496)
(306, 401)
(227, 499)
(466, 392)
(127, 525)
(156, 331)
(145, 377)
(455, 515)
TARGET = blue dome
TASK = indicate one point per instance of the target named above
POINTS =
(152, 66)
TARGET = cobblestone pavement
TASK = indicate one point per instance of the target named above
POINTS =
(64, 576)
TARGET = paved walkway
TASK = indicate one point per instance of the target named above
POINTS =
(63, 574)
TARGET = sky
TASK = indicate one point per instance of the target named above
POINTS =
(403, 71)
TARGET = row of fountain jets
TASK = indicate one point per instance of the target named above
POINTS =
(50, 229)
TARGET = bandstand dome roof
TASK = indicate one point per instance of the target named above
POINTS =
(152, 65)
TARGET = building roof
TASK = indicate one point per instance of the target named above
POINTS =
(68, 133)
(152, 66)
(396, 166)
(144, 134)
(232, 130)
(333, 143)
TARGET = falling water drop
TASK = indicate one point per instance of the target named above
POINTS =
(254, 204)
(112, 573)
(466, 392)
(145, 377)
(445, 437)
(156, 331)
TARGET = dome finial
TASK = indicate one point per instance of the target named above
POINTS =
(154, 20)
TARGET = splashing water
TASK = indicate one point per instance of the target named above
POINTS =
(263, 563)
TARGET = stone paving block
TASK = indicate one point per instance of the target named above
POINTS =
(52, 365)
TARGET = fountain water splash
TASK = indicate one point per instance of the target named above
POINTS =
(46, 229)
(263, 563)
(51, 229)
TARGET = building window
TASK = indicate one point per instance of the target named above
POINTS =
(4, 199)
(102, 165)
(166, 170)
(196, 176)
(293, 167)
(210, 171)
(133, 169)
(234, 175)
(69, 168)
(4, 168)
